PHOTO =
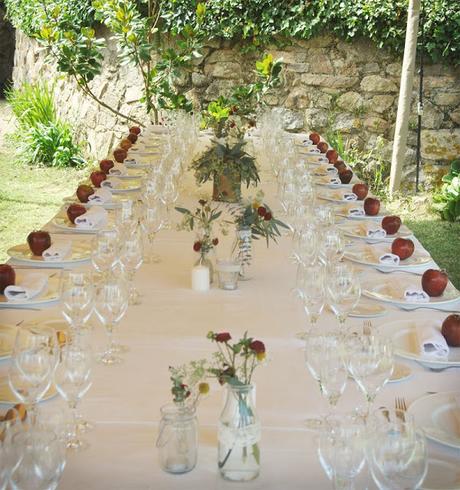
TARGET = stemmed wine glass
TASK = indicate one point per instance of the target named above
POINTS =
(33, 363)
(370, 361)
(111, 303)
(332, 246)
(343, 290)
(168, 197)
(131, 257)
(306, 245)
(152, 223)
(73, 380)
(105, 250)
(77, 298)
(127, 219)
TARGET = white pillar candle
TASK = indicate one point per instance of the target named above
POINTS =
(200, 278)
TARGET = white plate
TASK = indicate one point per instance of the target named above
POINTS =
(7, 339)
(401, 372)
(369, 310)
(130, 175)
(53, 293)
(439, 417)
(81, 252)
(8, 397)
(391, 290)
(124, 186)
(366, 254)
(343, 210)
(442, 474)
(325, 181)
(337, 196)
(404, 337)
(139, 164)
(62, 222)
(359, 230)
(115, 203)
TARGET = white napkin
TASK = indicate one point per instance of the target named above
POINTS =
(376, 233)
(130, 161)
(389, 259)
(314, 150)
(59, 250)
(112, 183)
(356, 212)
(118, 169)
(349, 196)
(100, 196)
(431, 341)
(30, 285)
(332, 170)
(306, 142)
(416, 295)
(334, 181)
(95, 217)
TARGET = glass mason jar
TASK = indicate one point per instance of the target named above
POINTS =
(242, 250)
(177, 441)
(239, 435)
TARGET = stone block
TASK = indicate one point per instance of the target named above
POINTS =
(292, 120)
(381, 103)
(329, 81)
(376, 83)
(455, 116)
(350, 101)
(447, 98)
(199, 80)
(297, 99)
(315, 119)
(346, 123)
(441, 144)
(375, 124)
(394, 69)
(227, 69)
(323, 41)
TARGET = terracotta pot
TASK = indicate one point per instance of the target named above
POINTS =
(226, 189)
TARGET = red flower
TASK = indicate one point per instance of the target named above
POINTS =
(257, 346)
(261, 211)
(252, 124)
(202, 202)
(222, 337)
(215, 241)
(197, 246)
(268, 216)
(232, 124)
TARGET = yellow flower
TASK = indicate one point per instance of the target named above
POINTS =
(255, 205)
(260, 356)
(203, 388)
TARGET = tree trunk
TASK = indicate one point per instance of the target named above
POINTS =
(405, 94)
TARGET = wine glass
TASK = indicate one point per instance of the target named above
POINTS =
(104, 253)
(152, 223)
(111, 303)
(324, 361)
(73, 380)
(341, 449)
(77, 298)
(306, 245)
(168, 197)
(33, 363)
(396, 452)
(343, 290)
(370, 361)
(126, 219)
(332, 246)
(131, 257)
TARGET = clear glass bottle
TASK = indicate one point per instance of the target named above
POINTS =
(242, 250)
(177, 441)
(239, 435)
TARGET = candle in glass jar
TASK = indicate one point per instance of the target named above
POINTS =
(200, 278)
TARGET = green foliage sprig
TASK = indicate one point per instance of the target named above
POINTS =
(188, 383)
(447, 201)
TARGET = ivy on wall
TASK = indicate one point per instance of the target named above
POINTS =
(263, 21)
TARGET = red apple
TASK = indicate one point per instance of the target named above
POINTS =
(322, 146)
(434, 282)
(7, 276)
(106, 165)
(132, 137)
(371, 206)
(97, 177)
(451, 330)
(119, 154)
(360, 190)
(391, 224)
(402, 247)
(39, 241)
(332, 155)
(315, 138)
(125, 144)
(135, 130)
(345, 176)
(340, 165)
(83, 192)
(74, 211)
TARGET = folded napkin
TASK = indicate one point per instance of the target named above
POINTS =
(332, 170)
(112, 183)
(95, 217)
(356, 212)
(306, 142)
(431, 341)
(376, 233)
(59, 250)
(100, 196)
(118, 169)
(416, 295)
(334, 181)
(389, 259)
(29, 286)
(130, 161)
(314, 150)
(349, 196)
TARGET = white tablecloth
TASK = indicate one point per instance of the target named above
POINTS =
(169, 328)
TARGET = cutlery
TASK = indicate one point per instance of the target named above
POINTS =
(412, 308)
(388, 271)
(438, 370)
(367, 327)
(400, 404)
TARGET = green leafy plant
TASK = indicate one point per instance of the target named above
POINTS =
(447, 200)
(188, 383)
(41, 137)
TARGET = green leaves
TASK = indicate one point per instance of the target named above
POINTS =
(447, 201)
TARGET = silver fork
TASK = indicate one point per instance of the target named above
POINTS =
(400, 404)
(367, 327)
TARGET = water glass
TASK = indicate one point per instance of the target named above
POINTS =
(131, 258)
(152, 223)
(105, 250)
(77, 298)
(311, 289)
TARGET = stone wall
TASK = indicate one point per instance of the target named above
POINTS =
(329, 85)
(6, 51)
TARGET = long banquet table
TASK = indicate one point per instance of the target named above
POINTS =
(170, 327)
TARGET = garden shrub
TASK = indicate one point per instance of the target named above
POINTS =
(447, 201)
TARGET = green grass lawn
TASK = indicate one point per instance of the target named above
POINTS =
(29, 197)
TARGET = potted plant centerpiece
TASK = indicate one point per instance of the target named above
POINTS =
(226, 162)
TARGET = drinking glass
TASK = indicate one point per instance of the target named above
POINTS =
(152, 223)
(324, 361)
(32, 365)
(343, 290)
(104, 253)
(324, 215)
(332, 246)
(168, 197)
(341, 449)
(73, 380)
(370, 361)
(126, 219)
(312, 293)
(131, 257)
(396, 452)
(306, 245)
(111, 303)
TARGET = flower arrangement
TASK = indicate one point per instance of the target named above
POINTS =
(188, 383)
